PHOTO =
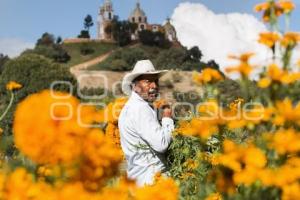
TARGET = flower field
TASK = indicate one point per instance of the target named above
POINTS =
(235, 146)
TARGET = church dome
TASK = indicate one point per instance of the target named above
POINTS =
(138, 15)
(138, 12)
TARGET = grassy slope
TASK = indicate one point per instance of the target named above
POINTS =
(76, 57)
(139, 52)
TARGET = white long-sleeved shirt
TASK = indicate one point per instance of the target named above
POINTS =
(143, 139)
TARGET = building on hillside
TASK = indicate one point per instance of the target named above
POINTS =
(105, 17)
(137, 16)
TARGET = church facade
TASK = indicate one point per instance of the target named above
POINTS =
(138, 16)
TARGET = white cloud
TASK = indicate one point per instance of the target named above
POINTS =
(219, 35)
(13, 46)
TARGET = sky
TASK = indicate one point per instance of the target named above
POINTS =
(209, 24)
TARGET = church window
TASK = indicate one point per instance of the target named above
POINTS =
(133, 20)
(142, 27)
(109, 15)
(145, 19)
(140, 19)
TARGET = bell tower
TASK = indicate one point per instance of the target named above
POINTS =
(105, 17)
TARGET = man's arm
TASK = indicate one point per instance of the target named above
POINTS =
(156, 135)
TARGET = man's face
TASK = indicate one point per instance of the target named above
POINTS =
(147, 87)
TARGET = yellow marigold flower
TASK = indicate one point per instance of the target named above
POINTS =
(238, 123)
(244, 58)
(286, 141)
(288, 78)
(231, 157)
(52, 124)
(246, 176)
(255, 157)
(214, 196)
(285, 111)
(290, 39)
(1, 131)
(262, 6)
(274, 72)
(286, 5)
(225, 184)
(207, 75)
(243, 68)
(266, 8)
(12, 85)
(264, 82)
(268, 38)
(191, 164)
(167, 185)
(198, 127)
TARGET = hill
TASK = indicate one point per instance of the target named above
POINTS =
(176, 57)
(75, 50)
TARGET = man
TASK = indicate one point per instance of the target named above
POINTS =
(143, 138)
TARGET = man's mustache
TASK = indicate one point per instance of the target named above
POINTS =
(153, 91)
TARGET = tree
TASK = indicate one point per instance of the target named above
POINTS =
(47, 39)
(58, 40)
(84, 34)
(50, 47)
(213, 64)
(34, 73)
(150, 38)
(121, 31)
(88, 22)
(195, 53)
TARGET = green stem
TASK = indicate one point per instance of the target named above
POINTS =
(287, 57)
(287, 22)
(8, 107)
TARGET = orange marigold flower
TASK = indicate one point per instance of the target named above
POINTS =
(101, 159)
(1, 131)
(21, 185)
(167, 185)
(286, 5)
(286, 111)
(52, 125)
(207, 75)
(267, 8)
(244, 58)
(113, 110)
(113, 132)
(286, 141)
(291, 191)
(268, 38)
(290, 39)
(244, 68)
(198, 127)
(159, 103)
(262, 6)
(12, 85)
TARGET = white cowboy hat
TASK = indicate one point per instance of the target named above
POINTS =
(141, 67)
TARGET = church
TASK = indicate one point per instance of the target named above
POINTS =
(138, 16)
